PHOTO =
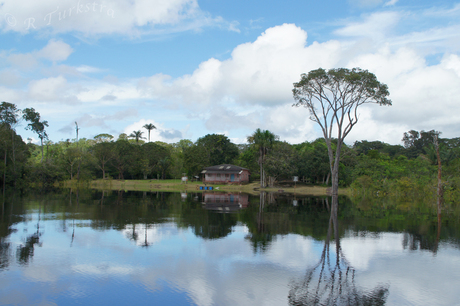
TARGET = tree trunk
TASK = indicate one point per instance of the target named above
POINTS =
(264, 179)
(335, 168)
(41, 141)
(78, 170)
(261, 176)
(14, 157)
(440, 193)
(4, 174)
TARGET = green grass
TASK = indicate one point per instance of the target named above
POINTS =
(177, 185)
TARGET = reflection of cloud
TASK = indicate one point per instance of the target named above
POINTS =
(294, 252)
(154, 236)
(41, 274)
(223, 271)
(414, 276)
(106, 269)
(360, 251)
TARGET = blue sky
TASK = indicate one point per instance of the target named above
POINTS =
(198, 67)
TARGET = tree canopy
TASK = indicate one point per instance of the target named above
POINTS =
(263, 140)
(332, 97)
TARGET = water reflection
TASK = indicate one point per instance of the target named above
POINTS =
(332, 280)
(225, 202)
(167, 247)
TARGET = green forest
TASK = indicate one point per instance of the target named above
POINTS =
(366, 167)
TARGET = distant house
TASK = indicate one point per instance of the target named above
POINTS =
(225, 174)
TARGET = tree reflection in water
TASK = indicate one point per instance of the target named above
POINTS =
(332, 280)
(26, 251)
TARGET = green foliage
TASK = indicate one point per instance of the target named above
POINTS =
(149, 127)
(263, 141)
(104, 137)
(137, 135)
(210, 150)
(332, 97)
(158, 159)
(248, 158)
(281, 163)
(370, 168)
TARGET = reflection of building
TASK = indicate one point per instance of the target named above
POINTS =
(225, 202)
(225, 174)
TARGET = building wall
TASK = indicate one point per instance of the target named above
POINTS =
(226, 177)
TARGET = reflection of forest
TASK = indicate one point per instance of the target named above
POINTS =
(333, 280)
(265, 217)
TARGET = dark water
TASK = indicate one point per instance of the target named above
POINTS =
(117, 248)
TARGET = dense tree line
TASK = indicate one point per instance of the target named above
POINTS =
(366, 166)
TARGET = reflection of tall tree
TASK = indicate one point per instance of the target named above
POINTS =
(332, 280)
(145, 244)
(133, 235)
(73, 219)
(5, 251)
(262, 237)
(438, 235)
(6, 229)
(26, 251)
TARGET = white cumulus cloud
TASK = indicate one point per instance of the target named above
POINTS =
(105, 17)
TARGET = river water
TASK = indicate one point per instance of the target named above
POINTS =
(83, 247)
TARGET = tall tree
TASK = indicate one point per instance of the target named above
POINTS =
(9, 115)
(104, 137)
(440, 191)
(78, 150)
(263, 140)
(121, 156)
(332, 98)
(217, 149)
(155, 154)
(149, 127)
(281, 163)
(416, 143)
(35, 125)
(136, 135)
(104, 152)
(210, 150)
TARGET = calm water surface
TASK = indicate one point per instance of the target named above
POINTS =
(116, 248)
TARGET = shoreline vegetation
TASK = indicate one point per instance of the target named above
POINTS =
(176, 185)
(367, 169)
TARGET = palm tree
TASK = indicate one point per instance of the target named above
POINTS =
(149, 127)
(263, 140)
(137, 135)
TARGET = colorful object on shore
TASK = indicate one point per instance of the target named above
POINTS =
(206, 187)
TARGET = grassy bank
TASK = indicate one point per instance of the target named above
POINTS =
(177, 185)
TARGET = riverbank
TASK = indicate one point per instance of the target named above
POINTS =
(177, 185)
